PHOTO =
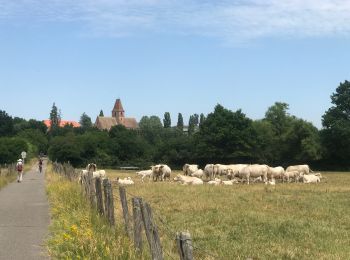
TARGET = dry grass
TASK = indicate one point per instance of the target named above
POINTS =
(6, 177)
(75, 231)
(286, 221)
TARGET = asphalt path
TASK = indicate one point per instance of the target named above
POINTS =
(24, 217)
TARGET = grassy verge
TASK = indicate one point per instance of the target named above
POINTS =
(75, 231)
(7, 177)
(286, 221)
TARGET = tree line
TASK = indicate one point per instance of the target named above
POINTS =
(223, 136)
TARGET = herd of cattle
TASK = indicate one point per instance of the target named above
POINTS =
(234, 173)
(215, 173)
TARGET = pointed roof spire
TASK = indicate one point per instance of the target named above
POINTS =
(118, 106)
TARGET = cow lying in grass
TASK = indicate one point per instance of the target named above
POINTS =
(125, 181)
(188, 180)
(311, 178)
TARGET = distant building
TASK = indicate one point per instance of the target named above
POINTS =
(47, 122)
(117, 118)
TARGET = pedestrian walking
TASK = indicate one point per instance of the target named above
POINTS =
(19, 168)
(40, 163)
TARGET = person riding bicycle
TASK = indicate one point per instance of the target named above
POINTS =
(40, 164)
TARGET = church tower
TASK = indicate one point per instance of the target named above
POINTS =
(118, 111)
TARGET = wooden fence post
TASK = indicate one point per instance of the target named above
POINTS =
(109, 201)
(184, 245)
(92, 195)
(137, 216)
(125, 208)
(151, 231)
(99, 199)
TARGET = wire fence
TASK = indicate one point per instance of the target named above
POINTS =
(100, 194)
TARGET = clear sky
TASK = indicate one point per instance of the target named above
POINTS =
(171, 56)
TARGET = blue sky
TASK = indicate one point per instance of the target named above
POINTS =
(171, 56)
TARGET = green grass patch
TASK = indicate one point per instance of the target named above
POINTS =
(76, 232)
(286, 221)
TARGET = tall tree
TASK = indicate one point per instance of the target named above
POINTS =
(196, 119)
(336, 123)
(6, 124)
(277, 115)
(201, 119)
(85, 121)
(101, 113)
(191, 124)
(54, 117)
(167, 120)
(180, 122)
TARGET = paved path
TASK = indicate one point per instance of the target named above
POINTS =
(24, 218)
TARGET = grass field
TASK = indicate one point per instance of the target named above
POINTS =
(286, 221)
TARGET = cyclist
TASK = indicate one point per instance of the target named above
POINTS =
(40, 165)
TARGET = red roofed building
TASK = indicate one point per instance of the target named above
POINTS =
(62, 123)
(117, 118)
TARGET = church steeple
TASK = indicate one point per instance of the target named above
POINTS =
(118, 111)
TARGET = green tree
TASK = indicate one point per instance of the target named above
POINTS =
(54, 117)
(66, 149)
(85, 121)
(191, 125)
(277, 115)
(225, 136)
(35, 124)
(167, 120)
(195, 119)
(36, 138)
(127, 147)
(11, 148)
(6, 124)
(180, 122)
(101, 113)
(151, 129)
(336, 131)
(201, 119)
(285, 139)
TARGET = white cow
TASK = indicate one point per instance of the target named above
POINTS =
(99, 174)
(254, 171)
(230, 182)
(95, 174)
(275, 173)
(125, 181)
(165, 172)
(81, 175)
(188, 169)
(291, 175)
(209, 171)
(220, 169)
(146, 173)
(233, 170)
(303, 169)
(156, 172)
(311, 178)
(199, 173)
(188, 180)
(215, 182)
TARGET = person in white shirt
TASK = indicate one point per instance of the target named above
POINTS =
(19, 168)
